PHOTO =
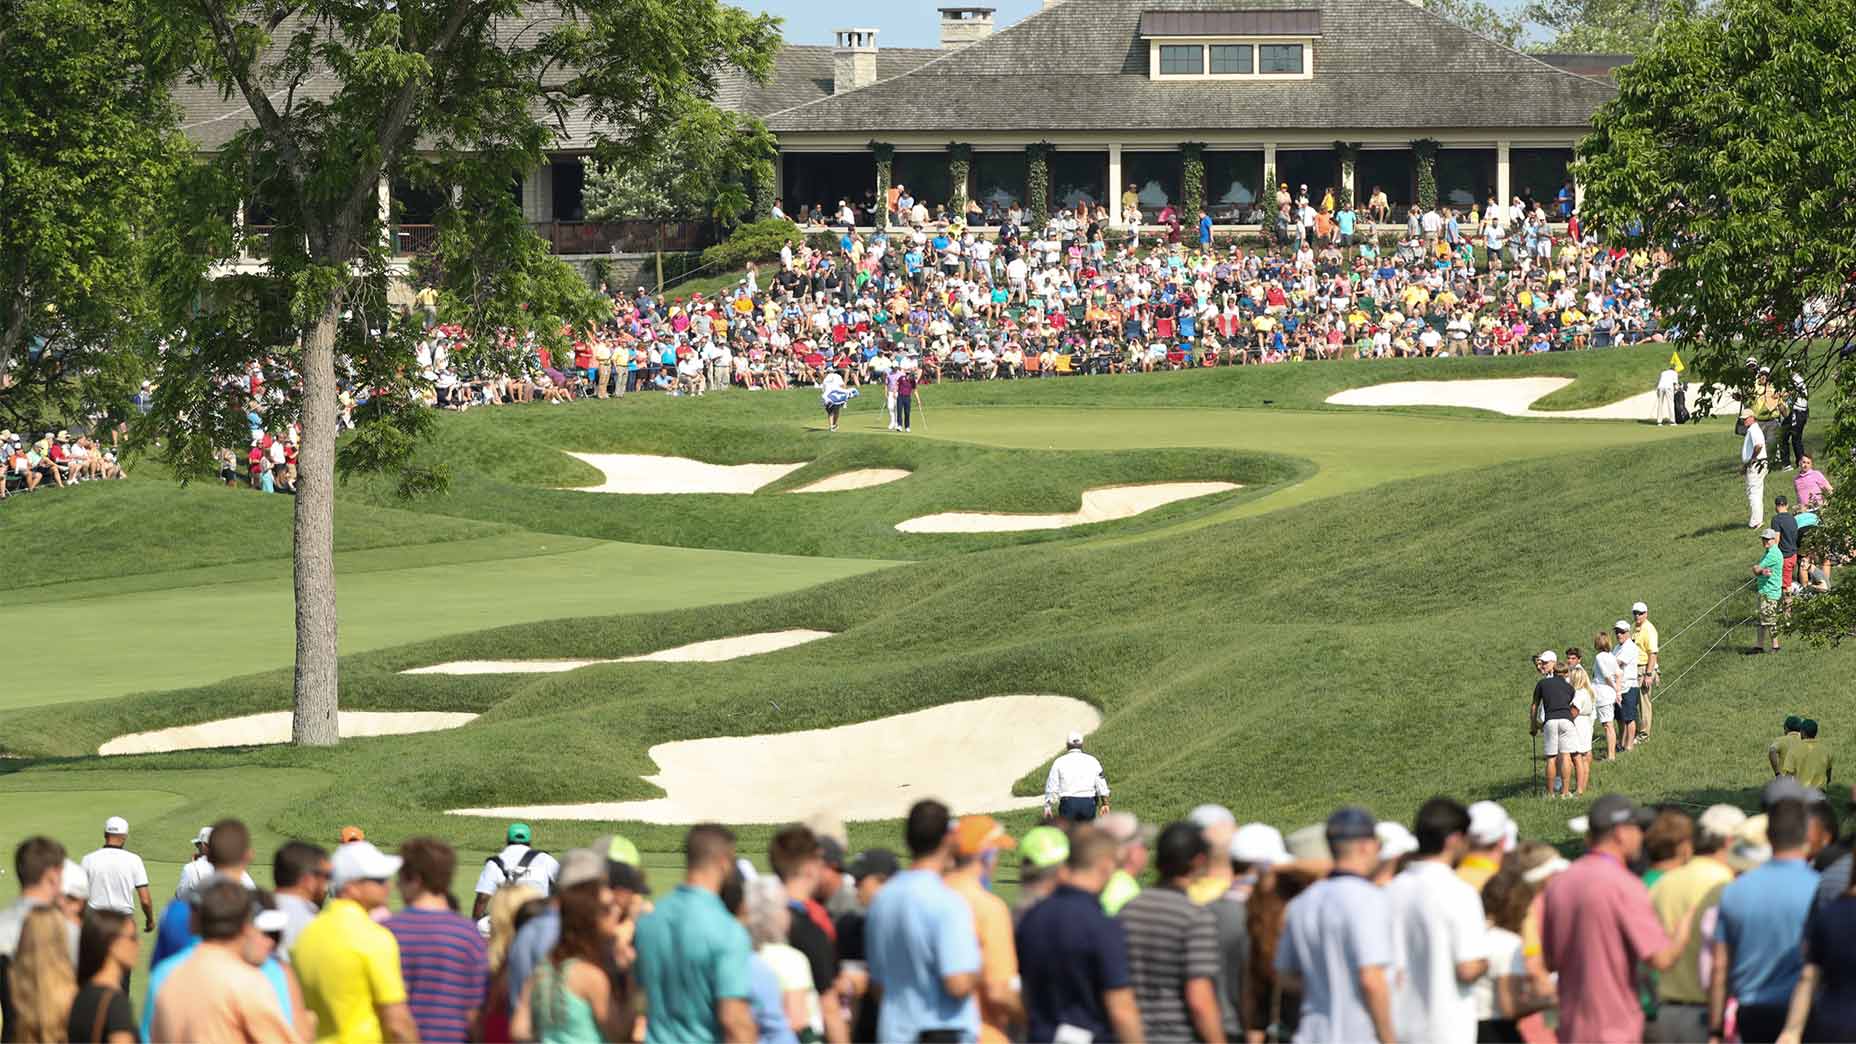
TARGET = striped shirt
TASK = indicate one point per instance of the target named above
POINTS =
(446, 968)
(1171, 940)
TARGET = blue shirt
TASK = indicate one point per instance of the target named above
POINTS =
(691, 953)
(1344, 221)
(769, 1004)
(1762, 918)
(1331, 931)
(174, 932)
(918, 932)
(529, 948)
(273, 973)
(1069, 952)
(1205, 229)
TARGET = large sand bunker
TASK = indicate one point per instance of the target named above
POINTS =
(254, 730)
(967, 754)
(713, 651)
(1103, 504)
(862, 478)
(1511, 396)
(643, 473)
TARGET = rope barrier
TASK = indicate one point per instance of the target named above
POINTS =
(1749, 582)
(1662, 691)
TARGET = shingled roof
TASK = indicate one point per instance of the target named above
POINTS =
(802, 73)
(1082, 65)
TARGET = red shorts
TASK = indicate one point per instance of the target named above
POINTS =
(1791, 567)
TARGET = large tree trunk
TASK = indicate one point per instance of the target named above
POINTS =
(315, 722)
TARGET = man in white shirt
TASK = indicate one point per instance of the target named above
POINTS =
(517, 863)
(1666, 396)
(1438, 932)
(118, 879)
(195, 875)
(1076, 789)
(1629, 695)
(1753, 466)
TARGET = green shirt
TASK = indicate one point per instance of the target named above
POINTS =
(1121, 888)
(691, 953)
(1771, 585)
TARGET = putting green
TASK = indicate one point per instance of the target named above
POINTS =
(116, 645)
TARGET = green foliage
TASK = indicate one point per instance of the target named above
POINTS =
(700, 168)
(885, 155)
(1607, 26)
(754, 241)
(959, 167)
(1349, 153)
(89, 154)
(1481, 18)
(1424, 154)
(1191, 178)
(1037, 183)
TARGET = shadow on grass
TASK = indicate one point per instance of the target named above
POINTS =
(1705, 531)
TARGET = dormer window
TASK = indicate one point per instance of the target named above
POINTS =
(1230, 45)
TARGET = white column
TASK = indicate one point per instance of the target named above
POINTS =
(1270, 173)
(1578, 195)
(1504, 186)
(238, 219)
(779, 181)
(1349, 173)
(385, 196)
(1114, 184)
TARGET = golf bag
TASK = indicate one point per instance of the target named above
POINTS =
(1682, 404)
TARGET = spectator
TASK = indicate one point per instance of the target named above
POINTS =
(1787, 525)
(1811, 485)
(519, 863)
(1629, 658)
(1173, 953)
(1217, 890)
(1131, 860)
(1753, 467)
(977, 843)
(348, 964)
(118, 879)
(692, 955)
(216, 991)
(871, 870)
(1757, 956)
(797, 861)
(1491, 831)
(924, 954)
(1767, 572)
(1597, 925)
(510, 910)
(1679, 897)
(108, 949)
(1823, 1004)
(1073, 957)
(1649, 665)
(1506, 992)
(1552, 711)
(1041, 858)
(1337, 949)
(1438, 931)
(228, 853)
(571, 997)
(442, 957)
(780, 1013)
(301, 872)
(41, 980)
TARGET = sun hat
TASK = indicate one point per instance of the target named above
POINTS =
(116, 826)
(1750, 848)
(580, 866)
(1488, 823)
(976, 834)
(881, 862)
(518, 834)
(361, 861)
(1395, 842)
(1258, 844)
(1043, 847)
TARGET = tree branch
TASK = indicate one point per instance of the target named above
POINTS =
(225, 39)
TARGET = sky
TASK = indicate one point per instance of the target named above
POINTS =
(899, 23)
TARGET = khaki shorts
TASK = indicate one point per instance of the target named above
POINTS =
(1562, 737)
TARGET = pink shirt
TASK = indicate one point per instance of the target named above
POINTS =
(1596, 926)
(1811, 486)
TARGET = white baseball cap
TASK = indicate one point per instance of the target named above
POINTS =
(205, 835)
(116, 826)
(1394, 840)
(361, 861)
(1621, 626)
(1488, 823)
(76, 881)
(1547, 657)
(270, 922)
(1259, 843)
(1210, 815)
(1076, 739)
(1639, 607)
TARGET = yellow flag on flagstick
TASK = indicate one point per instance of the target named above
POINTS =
(1675, 362)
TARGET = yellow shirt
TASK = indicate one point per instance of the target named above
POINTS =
(1811, 764)
(1475, 870)
(350, 968)
(1648, 645)
(992, 923)
(1677, 897)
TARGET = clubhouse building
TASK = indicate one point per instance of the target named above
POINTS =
(1098, 95)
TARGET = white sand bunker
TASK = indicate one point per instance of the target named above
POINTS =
(1103, 504)
(262, 729)
(714, 650)
(862, 478)
(643, 473)
(1512, 396)
(967, 754)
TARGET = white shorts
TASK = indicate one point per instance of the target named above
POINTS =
(1607, 713)
(1583, 738)
(1562, 737)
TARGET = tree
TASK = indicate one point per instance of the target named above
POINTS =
(459, 96)
(1605, 26)
(1480, 18)
(88, 150)
(1730, 145)
(704, 167)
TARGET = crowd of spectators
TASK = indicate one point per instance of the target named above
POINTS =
(1669, 927)
(54, 460)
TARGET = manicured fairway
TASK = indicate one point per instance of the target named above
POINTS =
(228, 625)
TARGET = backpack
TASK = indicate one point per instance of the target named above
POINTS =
(518, 875)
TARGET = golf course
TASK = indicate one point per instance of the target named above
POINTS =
(1349, 617)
